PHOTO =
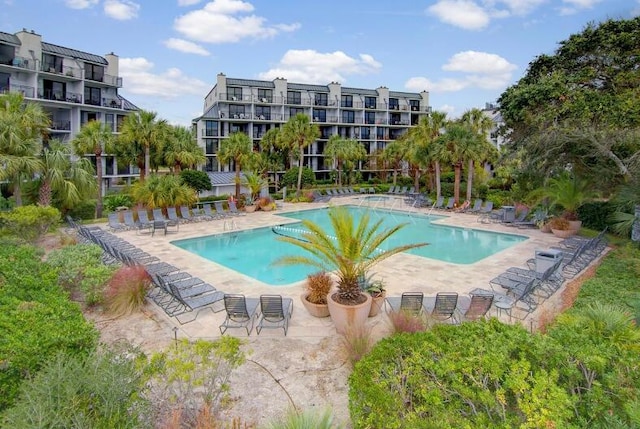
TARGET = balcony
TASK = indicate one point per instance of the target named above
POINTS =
(106, 79)
(68, 97)
(60, 125)
(66, 71)
(20, 62)
(114, 103)
(26, 91)
(264, 100)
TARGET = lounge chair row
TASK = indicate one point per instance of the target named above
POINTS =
(270, 311)
(402, 190)
(445, 306)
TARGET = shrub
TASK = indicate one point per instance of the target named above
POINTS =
(358, 343)
(197, 180)
(29, 222)
(98, 391)
(85, 210)
(290, 178)
(595, 215)
(304, 420)
(402, 321)
(559, 223)
(318, 286)
(113, 201)
(127, 289)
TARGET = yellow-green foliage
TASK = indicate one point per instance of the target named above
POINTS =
(29, 222)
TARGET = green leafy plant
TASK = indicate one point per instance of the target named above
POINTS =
(114, 201)
(570, 193)
(196, 179)
(294, 419)
(318, 286)
(29, 222)
(126, 290)
(255, 183)
(290, 178)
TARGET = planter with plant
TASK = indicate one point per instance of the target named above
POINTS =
(569, 193)
(317, 289)
(254, 183)
(560, 227)
(378, 293)
(350, 248)
(265, 204)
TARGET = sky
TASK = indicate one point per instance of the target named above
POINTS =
(464, 52)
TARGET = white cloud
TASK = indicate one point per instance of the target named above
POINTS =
(461, 13)
(187, 2)
(121, 9)
(481, 70)
(80, 4)
(309, 66)
(139, 78)
(227, 21)
(186, 46)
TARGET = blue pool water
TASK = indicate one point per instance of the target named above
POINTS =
(253, 252)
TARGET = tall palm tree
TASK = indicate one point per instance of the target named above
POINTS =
(22, 126)
(480, 125)
(145, 130)
(94, 138)
(276, 155)
(455, 142)
(427, 132)
(344, 153)
(237, 148)
(350, 247)
(68, 181)
(298, 133)
(182, 149)
(395, 153)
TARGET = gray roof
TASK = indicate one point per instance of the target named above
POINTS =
(73, 53)
(223, 178)
(308, 87)
(127, 105)
(9, 38)
(404, 94)
(359, 91)
(250, 82)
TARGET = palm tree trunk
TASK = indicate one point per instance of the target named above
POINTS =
(438, 184)
(99, 180)
(416, 180)
(237, 180)
(44, 194)
(457, 168)
(339, 173)
(300, 163)
(469, 180)
(17, 192)
(147, 161)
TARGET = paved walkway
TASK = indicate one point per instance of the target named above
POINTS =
(401, 273)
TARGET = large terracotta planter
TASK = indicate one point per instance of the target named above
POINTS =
(564, 233)
(316, 310)
(376, 304)
(250, 208)
(546, 227)
(349, 317)
(575, 225)
(266, 208)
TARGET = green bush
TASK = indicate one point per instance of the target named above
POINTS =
(80, 267)
(499, 198)
(85, 210)
(97, 391)
(29, 222)
(595, 215)
(37, 319)
(113, 201)
(197, 180)
(290, 178)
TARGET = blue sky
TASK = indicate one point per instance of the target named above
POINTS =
(464, 52)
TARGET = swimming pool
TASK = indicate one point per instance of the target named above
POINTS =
(253, 252)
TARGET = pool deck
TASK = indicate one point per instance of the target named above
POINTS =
(401, 273)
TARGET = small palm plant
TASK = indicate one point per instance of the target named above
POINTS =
(351, 249)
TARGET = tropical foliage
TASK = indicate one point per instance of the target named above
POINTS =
(237, 148)
(297, 134)
(142, 132)
(161, 191)
(345, 153)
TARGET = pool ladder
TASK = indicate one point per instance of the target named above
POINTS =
(229, 225)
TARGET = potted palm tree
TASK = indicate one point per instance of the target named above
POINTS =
(570, 193)
(351, 248)
(255, 183)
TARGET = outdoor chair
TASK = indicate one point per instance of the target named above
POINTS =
(208, 214)
(450, 204)
(372, 191)
(114, 223)
(439, 203)
(172, 214)
(189, 299)
(519, 219)
(275, 312)
(220, 211)
(160, 219)
(391, 190)
(442, 307)
(474, 308)
(408, 302)
(241, 312)
(233, 208)
(143, 219)
(477, 205)
(186, 215)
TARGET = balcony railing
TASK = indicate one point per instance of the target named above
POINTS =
(209, 133)
(27, 91)
(114, 103)
(67, 71)
(23, 63)
(61, 125)
(69, 97)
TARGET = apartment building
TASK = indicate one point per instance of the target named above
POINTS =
(374, 117)
(73, 87)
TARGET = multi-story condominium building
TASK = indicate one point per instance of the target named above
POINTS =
(492, 111)
(73, 87)
(374, 117)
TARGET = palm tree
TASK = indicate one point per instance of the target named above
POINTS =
(69, 181)
(427, 132)
(161, 191)
(298, 133)
(480, 125)
(144, 129)
(22, 126)
(182, 149)
(95, 138)
(351, 248)
(455, 143)
(236, 148)
(344, 153)
(395, 153)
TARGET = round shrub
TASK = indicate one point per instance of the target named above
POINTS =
(113, 201)
(290, 178)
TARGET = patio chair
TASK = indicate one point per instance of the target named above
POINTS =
(275, 312)
(438, 204)
(114, 223)
(241, 312)
(477, 205)
(186, 215)
(450, 204)
(159, 218)
(519, 218)
(143, 219)
(442, 307)
(408, 302)
(371, 190)
(190, 299)
(318, 197)
(172, 214)
(220, 211)
(391, 190)
(208, 214)
(233, 209)
(474, 308)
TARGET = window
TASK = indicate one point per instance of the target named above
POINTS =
(346, 101)
(235, 93)
(319, 115)
(93, 72)
(263, 112)
(210, 146)
(265, 95)
(348, 116)
(51, 63)
(294, 97)
(92, 96)
(109, 121)
(365, 132)
(321, 99)
(210, 128)
(370, 102)
(293, 111)
(212, 164)
(120, 121)
(4, 82)
(369, 117)
(394, 104)
(235, 110)
(415, 105)
(55, 90)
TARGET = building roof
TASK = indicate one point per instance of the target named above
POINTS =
(9, 38)
(73, 53)
(359, 91)
(222, 178)
(308, 87)
(404, 94)
(250, 82)
(126, 104)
